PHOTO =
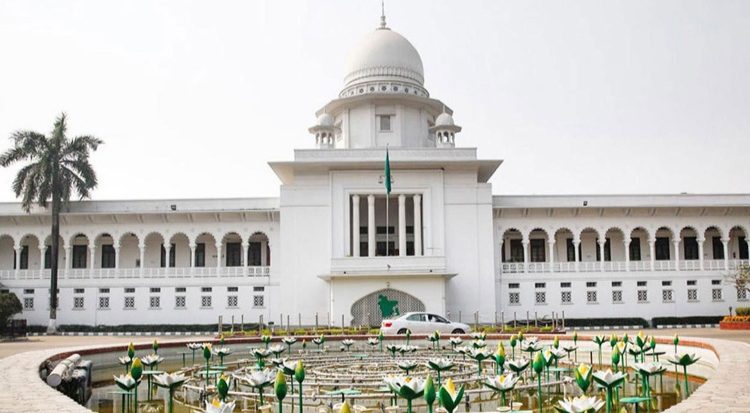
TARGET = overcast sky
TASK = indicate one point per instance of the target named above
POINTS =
(194, 98)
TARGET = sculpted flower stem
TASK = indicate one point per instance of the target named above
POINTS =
(539, 390)
(687, 389)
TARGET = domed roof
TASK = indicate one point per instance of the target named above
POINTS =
(384, 55)
(325, 120)
(444, 119)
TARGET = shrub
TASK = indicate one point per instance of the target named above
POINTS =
(602, 322)
(659, 321)
(9, 306)
(742, 311)
(736, 319)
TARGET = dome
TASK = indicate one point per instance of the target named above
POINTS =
(325, 120)
(384, 55)
(444, 119)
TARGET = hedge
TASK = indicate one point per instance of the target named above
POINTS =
(145, 328)
(606, 322)
(742, 311)
(711, 319)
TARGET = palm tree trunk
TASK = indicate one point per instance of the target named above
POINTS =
(52, 326)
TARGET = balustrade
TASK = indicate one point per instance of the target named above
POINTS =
(619, 266)
(112, 273)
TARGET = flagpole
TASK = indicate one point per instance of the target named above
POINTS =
(387, 201)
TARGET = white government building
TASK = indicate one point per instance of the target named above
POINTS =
(322, 247)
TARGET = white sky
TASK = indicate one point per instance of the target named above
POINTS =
(193, 98)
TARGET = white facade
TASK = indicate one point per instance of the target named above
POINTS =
(323, 247)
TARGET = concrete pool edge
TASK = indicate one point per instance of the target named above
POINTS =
(722, 392)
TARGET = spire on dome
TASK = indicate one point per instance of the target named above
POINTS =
(382, 15)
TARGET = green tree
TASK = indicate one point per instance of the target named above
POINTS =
(55, 168)
(9, 306)
(740, 279)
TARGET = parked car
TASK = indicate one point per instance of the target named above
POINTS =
(422, 323)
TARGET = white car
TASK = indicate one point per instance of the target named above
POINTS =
(422, 323)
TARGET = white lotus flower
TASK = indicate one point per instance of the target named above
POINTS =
(261, 353)
(217, 406)
(194, 346)
(479, 335)
(318, 340)
(407, 348)
(289, 340)
(151, 359)
(581, 404)
(277, 349)
(649, 368)
(439, 364)
(463, 350)
(456, 341)
(258, 378)
(533, 339)
(348, 342)
(518, 365)
(479, 344)
(530, 346)
(222, 351)
(124, 360)
(278, 361)
(607, 378)
(170, 380)
(558, 352)
(125, 382)
(407, 387)
(503, 382)
(373, 341)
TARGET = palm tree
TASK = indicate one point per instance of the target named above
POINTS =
(56, 168)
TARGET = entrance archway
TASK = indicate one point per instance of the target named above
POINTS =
(374, 307)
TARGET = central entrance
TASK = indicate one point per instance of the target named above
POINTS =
(371, 309)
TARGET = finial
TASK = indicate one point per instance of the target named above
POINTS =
(382, 15)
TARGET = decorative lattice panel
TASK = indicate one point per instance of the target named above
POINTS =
(387, 303)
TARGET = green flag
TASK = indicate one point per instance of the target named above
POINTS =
(387, 172)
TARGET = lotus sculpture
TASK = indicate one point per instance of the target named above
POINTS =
(259, 379)
(347, 343)
(218, 406)
(407, 365)
(193, 347)
(583, 375)
(609, 381)
(222, 352)
(479, 355)
(684, 360)
(450, 398)
(289, 341)
(647, 370)
(580, 404)
(502, 384)
(170, 382)
(439, 365)
(406, 387)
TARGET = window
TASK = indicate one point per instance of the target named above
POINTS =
(617, 283)
(642, 296)
(666, 283)
(155, 290)
(516, 250)
(232, 301)
(715, 282)
(666, 296)
(24, 262)
(206, 301)
(180, 289)
(690, 248)
(28, 291)
(163, 254)
(258, 301)
(253, 254)
(716, 294)
(129, 303)
(200, 254)
(743, 248)
(79, 256)
(607, 250)
(130, 290)
(232, 289)
(541, 297)
(514, 298)
(692, 294)
(108, 256)
(641, 283)
(662, 248)
(179, 301)
(616, 296)
(78, 291)
(48, 257)
(591, 284)
(565, 285)
(591, 297)
(206, 289)
(28, 303)
(77, 303)
(154, 302)
(104, 303)
(259, 289)
(566, 297)
(570, 249)
(540, 285)
(234, 254)
(537, 250)
(742, 295)
(514, 285)
(384, 123)
(718, 248)
(692, 282)
(635, 249)
(104, 291)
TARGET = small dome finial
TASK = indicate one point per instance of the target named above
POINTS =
(382, 15)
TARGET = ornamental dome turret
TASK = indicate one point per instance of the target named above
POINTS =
(445, 131)
(324, 131)
(384, 62)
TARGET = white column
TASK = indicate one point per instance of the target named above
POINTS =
(18, 258)
(652, 251)
(601, 253)
(117, 255)
(42, 249)
(551, 244)
(676, 243)
(264, 253)
(192, 255)
(92, 253)
(245, 253)
(417, 225)
(525, 244)
(576, 243)
(725, 243)
(68, 257)
(402, 225)
(626, 245)
(167, 250)
(700, 241)
(218, 254)
(142, 247)
(355, 225)
(502, 245)
(370, 225)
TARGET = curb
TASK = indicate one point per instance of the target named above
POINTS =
(659, 327)
(123, 334)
